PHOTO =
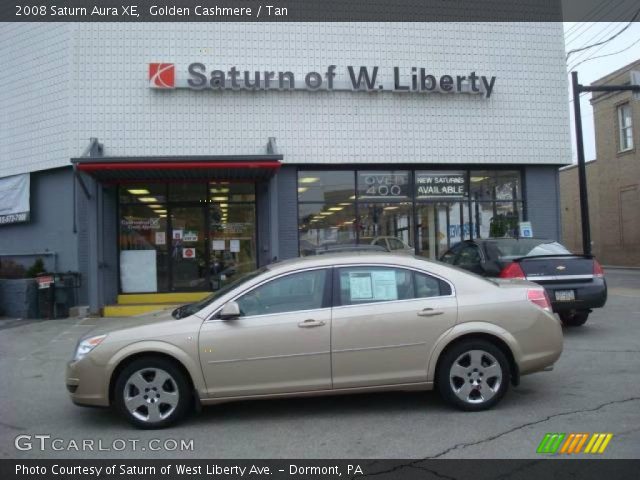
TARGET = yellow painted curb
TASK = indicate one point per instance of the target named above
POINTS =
(174, 297)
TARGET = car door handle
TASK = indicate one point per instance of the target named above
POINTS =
(310, 323)
(430, 312)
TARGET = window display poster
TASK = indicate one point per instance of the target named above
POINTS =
(360, 286)
(384, 285)
(160, 238)
(138, 271)
(217, 245)
(234, 246)
(190, 236)
(177, 234)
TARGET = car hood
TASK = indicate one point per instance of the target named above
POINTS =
(113, 324)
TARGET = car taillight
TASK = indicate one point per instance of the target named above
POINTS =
(598, 272)
(540, 298)
(513, 270)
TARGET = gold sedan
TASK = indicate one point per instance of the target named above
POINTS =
(329, 324)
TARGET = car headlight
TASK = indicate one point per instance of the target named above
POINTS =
(86, 345)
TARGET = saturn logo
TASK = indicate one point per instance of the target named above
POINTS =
(162, 75)
(561, 267)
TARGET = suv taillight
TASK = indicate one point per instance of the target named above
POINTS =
(540, 298)
(513, 270)
(597, 269)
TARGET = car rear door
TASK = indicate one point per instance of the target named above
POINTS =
(385, 321)
(279, 344)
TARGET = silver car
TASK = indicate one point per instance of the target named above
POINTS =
(329, 324)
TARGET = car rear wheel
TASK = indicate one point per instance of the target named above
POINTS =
(574, 319)
(152, 393)
(473, 375)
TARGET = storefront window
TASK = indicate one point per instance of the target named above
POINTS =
(495, 185)
(143, 248)
(383, 185)
(188, 192)
(384, 223)
(223, 192)
(148, 193)
(321, 226)
(496, 219)
(329, 187)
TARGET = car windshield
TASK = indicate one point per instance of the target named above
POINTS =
(191, 308)
(508, 249)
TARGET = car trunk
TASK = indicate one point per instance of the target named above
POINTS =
(558, 268)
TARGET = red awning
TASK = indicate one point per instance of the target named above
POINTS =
(179, 168)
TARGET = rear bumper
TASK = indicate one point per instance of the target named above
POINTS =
(588, 295)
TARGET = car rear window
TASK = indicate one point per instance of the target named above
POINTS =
(510, 249)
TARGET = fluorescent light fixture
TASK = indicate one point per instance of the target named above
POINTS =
(163, 216)
(345, 204)
(224, 205)
(336, 209)
(154, 206)
(308, 179)
(478, 179)
(352, 197)
(138, 191)
(302, 189)
(160, 211)
(219, 199)
(148, 199)
(326, 214)
(391, 208)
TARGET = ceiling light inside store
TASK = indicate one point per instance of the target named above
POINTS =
(336, 209)
(148, 199)
(302, 189)
(308, 179)
(138, 191)
(345, 204)
(154, 206)
(326, 214)
(478, 179)
(219, 199)
(391, 208)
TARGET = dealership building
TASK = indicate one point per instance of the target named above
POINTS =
(165, 160)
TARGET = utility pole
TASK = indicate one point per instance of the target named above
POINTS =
(582, 170)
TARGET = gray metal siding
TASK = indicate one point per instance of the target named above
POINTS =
(287, 212)
(543, 201)
(50, 229)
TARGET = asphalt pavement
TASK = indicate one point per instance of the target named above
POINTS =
(594, 387)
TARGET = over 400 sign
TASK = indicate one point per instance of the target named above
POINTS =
(383, 185)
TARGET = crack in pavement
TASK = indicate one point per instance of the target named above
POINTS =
(415, 463)
(529, 424)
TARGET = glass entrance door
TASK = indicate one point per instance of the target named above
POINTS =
(189, 256)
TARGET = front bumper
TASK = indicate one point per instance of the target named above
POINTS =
(87, 384)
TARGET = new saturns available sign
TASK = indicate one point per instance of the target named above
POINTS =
(197, 76)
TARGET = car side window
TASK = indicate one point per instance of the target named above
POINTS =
(450, 255)
(382, 243)
(298, 291)
(469, 256)
(374, 284)
(395, 244)
(428, 286)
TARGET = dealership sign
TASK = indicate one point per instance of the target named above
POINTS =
(440, 184)
(197, 76)
(14, 199)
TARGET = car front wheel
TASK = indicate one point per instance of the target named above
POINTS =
(152, 393)
(473, 375)
(574, 319)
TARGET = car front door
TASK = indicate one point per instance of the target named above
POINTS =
(280, 342)
(385, 323)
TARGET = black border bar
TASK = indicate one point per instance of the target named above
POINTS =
(316, 10)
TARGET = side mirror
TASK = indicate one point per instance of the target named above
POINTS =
(229, 311)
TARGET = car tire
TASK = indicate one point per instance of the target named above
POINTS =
(473, 375)
(574, 319)
(152, 392)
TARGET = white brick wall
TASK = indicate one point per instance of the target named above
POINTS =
(524, 121)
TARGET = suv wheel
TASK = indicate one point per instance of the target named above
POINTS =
(152, 393)
(574, 319)
(473, 375)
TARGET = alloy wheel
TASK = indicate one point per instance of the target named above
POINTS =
(475, 377)
(151, 395)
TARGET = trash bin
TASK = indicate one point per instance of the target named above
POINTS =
(65, 293)
(46, 299)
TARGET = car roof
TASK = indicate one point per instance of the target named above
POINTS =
(347, 258)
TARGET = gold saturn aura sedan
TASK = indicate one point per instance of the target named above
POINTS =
(328, 324)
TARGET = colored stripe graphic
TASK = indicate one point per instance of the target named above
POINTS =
(598, 443)
(550, 443)
(573, 442)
